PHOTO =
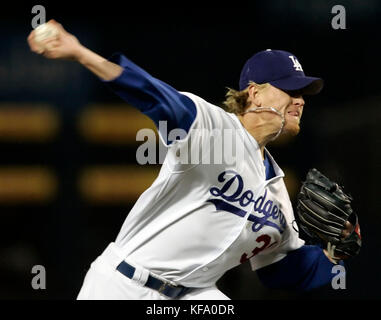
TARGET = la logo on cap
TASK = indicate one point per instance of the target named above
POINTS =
(297, 65)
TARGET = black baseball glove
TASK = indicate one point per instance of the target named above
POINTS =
(324, 210)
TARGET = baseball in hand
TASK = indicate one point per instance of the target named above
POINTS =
(43, 32)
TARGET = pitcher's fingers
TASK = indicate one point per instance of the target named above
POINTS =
(58, 25)
(51, 54)
(35, 47)
(51, 42)
(52, 45)
(348, 229)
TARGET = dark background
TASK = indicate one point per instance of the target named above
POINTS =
(199, 49)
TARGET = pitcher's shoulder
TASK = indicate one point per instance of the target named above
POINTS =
(203, 104)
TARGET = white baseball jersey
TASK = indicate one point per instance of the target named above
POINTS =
(197, 221)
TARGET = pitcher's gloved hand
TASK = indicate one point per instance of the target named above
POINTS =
(325, 214)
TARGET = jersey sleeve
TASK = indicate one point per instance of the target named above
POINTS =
(153, 97)
(291, 242)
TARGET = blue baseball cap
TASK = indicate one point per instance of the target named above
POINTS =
(281, 69)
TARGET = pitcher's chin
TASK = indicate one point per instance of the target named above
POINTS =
(291, 129)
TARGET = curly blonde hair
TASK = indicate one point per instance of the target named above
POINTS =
(237, 101)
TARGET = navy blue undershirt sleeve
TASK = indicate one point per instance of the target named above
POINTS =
(153, 97)
(270, 173)
(303, 269)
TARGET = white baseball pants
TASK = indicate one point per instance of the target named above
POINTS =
(104, 282)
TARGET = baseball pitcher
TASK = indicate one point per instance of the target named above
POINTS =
(201, 218)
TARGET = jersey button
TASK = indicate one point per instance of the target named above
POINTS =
(205, 269)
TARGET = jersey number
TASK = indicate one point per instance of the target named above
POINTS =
(263, 238)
